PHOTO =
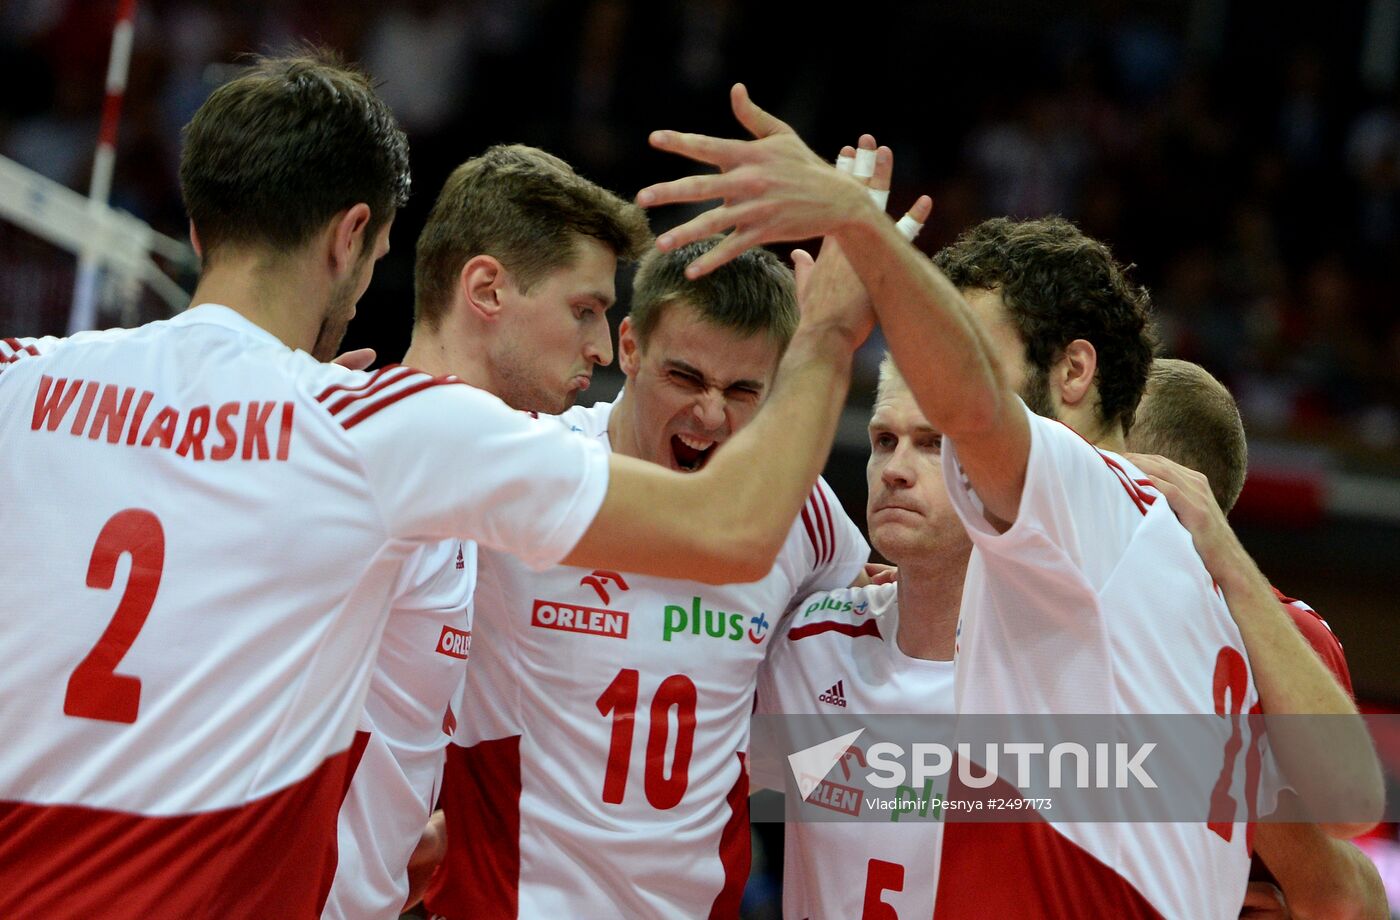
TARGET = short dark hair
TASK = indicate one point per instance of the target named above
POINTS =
(753, 293)
(1188, 416)
(1059, 285)
(524, 207)
(275, 153)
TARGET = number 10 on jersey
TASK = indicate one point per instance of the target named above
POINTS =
(620, 701)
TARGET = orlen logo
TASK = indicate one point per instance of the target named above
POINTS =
(592, 621)
(598, 580)
(713, 623)
(454, 643)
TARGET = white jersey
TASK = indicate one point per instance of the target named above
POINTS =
(207, 533)
(396, 758)
(597, 769)
(838, 654)
(1094, 601)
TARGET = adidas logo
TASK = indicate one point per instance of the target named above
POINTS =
(835, 696)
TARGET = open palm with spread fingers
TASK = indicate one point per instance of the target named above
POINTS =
(773, 188)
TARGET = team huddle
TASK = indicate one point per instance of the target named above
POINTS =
(294, 639)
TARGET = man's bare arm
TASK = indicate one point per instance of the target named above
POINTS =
(1321, 878)
(1330, 761)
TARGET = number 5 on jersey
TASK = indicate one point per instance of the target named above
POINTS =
(620, 701)
(95, 689)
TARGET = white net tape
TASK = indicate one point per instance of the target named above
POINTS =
(121, 244)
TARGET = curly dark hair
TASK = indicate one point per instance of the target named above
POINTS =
(1059, 285)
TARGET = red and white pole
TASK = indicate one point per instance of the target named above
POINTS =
(84, 310)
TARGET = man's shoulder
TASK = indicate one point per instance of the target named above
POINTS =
(590, 421)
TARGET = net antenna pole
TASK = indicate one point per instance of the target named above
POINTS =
(84, 311)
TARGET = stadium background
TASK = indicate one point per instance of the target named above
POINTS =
(1245, 158)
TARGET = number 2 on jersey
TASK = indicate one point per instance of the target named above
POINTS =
(1231, 683)
(95, 689)
(620, 701)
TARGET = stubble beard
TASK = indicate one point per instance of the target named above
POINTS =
(334, 323)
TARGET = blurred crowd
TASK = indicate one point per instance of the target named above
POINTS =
(1244, 162)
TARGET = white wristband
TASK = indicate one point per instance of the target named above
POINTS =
(865, 163)
(909, 227)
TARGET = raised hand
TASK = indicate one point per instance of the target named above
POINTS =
(874, 166)
(774, 188)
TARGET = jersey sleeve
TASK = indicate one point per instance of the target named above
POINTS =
(835, 549)
(438, 577)
(447, 460)
(1320, 636)
(1078, 503)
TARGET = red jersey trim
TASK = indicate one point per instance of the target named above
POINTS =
(479, 878)
(330, 391)
(353, 758)
(816, 518)
(265, 858)
(807, 630)
(387, 401)
(1054, 878)
(1140, 497)
(811, 533)
(735, 852)
(830, 530)
(17, 346)
(375, 385)
(1320, 636)
(380, 391)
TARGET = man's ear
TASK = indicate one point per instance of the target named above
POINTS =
(1072, 377)
(480, 283)
(348, 237)
(629, 349)
(194, 241)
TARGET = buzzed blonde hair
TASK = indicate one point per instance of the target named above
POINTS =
(1188, 416)
(889, 376)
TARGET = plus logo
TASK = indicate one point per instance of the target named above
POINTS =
(759, 627)
(598, 581)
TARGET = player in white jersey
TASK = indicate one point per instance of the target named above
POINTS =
(212, 523)
(893, 655)
(515, 270)
(1190, 417)
(879, 649)
(1081, 583)
(598, 765)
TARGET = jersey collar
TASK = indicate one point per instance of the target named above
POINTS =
(216, 314)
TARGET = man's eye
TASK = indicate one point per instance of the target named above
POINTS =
(885, 441)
